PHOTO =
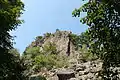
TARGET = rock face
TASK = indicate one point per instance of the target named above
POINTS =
(61, 39)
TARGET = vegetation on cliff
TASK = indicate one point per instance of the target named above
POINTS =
(48, 57)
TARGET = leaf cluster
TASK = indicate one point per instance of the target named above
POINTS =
(104, 31)
(10, 11)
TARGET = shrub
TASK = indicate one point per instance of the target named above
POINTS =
(38, 78)
(47, 61)
(48, 34)
(86, 54)
(39, 38)
(50, 48)
(50, 61)
(32, 52)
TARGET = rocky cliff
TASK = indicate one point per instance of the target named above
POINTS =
(61, 39)
(78, 69)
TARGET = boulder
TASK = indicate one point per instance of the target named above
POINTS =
(65, 75)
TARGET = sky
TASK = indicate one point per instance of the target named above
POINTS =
(43, 16)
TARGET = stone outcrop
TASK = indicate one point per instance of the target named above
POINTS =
(89, 70)
(60, 38)
(65, 74)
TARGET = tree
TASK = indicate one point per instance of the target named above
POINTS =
(32, 52)
(104, 30)
(10, 12)
(17, 67)
(79, 40)
(114, 3)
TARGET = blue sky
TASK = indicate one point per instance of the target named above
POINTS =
(43, 16)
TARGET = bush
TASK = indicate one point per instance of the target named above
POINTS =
(50, 61)
(47, 61)
(37, 78)
(32, 52)
(48, 34)
(47, 58)
(61, 61)
(50, 48)
(86, 54)
(39, 38)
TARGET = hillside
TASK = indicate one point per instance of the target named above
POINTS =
(57, 54)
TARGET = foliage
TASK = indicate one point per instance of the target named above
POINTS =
(50, 61)
(10, 12)
(39, 38)
(83, 44)
(28, 59)
(48, 57)
(32, 52)
(48, 34)
(47, 61)
(38, 78)
(14, 69)
(75, 40)
(61, 61)
(86, 55)
(79, 40)
(103, 21)
(114, 3)
(50, 48)
(9, 17)
(84, 38)
(28, 64)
